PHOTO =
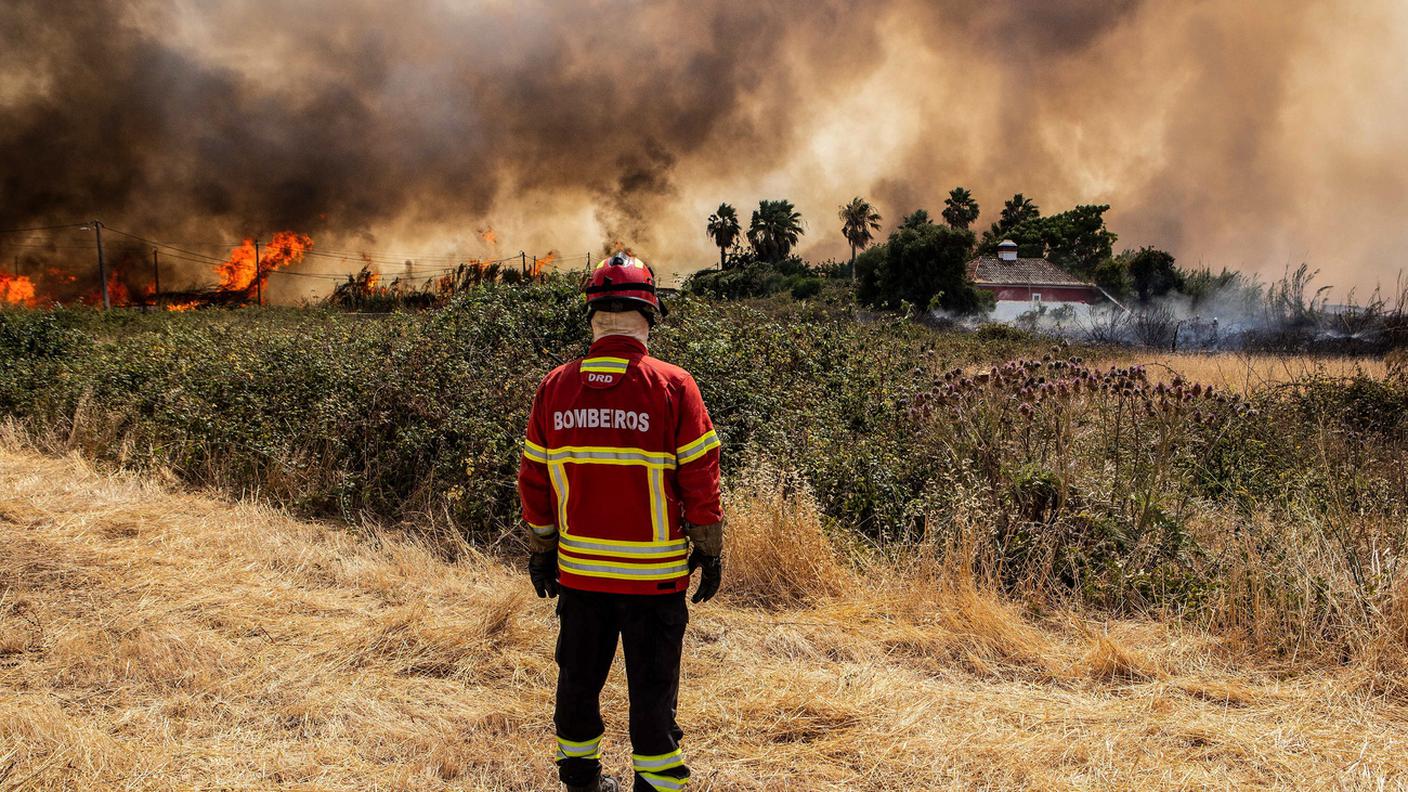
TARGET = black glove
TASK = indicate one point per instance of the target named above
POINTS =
(542, 569)
(711, 576)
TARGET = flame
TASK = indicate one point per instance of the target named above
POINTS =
(185, 306)
(17, 290)
(543, 262)
(488, 235)
(238, 273)
(117, 291)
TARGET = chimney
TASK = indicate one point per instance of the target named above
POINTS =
(1007, 250)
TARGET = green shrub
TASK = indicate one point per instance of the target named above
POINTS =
(922, 264)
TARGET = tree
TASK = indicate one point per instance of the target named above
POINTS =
(858, 220)
(774, 230)
(1112, 275)
(1019, 213)
(723, 228)
(960, 210)
(916, 219)
(923, 264)
(1018, 210)
(1075, 240)
(1153, 273)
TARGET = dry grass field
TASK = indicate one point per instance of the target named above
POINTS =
(1241, 372)
(152, 638)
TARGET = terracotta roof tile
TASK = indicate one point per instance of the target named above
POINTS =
(1023, 271)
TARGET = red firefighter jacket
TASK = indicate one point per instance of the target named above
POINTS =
(619, 450)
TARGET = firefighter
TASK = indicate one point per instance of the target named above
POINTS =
(620, 487)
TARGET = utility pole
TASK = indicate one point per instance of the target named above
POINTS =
(156, 279)
(102, 265)
(589, 261)
(535, 264)
(258, 276)
(523, 262)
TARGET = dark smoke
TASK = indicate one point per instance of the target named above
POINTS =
(1232, 135)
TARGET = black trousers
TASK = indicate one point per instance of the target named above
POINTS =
(651, 629)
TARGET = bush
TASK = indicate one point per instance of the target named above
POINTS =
(747, 277)
(805, 288)
(922, 264)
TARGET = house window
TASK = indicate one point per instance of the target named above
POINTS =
(1036, 297)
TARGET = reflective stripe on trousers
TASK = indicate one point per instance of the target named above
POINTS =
(659, 781)
(643, 764)
(589, 749)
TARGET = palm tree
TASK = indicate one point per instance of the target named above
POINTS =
(723, 229)
(960, 210)
(916, 219)
(774, 230)
(1017, 211)
(858, 220)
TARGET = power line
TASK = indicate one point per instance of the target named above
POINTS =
(212, 259)
(41, 228)
(43, 246)
(322, 275)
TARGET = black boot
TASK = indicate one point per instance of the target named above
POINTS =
(601, 784)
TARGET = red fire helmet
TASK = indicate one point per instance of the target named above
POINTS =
(623, 277)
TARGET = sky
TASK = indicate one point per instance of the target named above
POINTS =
(1234, 134)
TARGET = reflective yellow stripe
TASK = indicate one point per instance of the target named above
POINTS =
(604, 569)
(665, 761)
(543, 531)
(558, 475)
(648, 566)
(614, 549)
(606, 365)
(698, 448)
(534, 452)
(609, 455)
(659, 520)
(623, 543)
(665, 782)
(568, 749)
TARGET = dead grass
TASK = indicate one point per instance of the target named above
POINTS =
(1243, 373)
(165, 640)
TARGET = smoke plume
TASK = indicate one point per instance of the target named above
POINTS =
(1232, 134)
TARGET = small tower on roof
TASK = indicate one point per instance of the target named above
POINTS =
(1007, 250)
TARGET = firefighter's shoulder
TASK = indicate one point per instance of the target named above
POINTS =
(666, 371)
(566, 369)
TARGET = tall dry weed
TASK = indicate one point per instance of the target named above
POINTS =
(776, 551)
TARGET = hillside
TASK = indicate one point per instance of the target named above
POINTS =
(152, 638)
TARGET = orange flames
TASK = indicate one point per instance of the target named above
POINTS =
(488, 235)
(117, 291)
(540, 264)
(17, 290)
(239, 273)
